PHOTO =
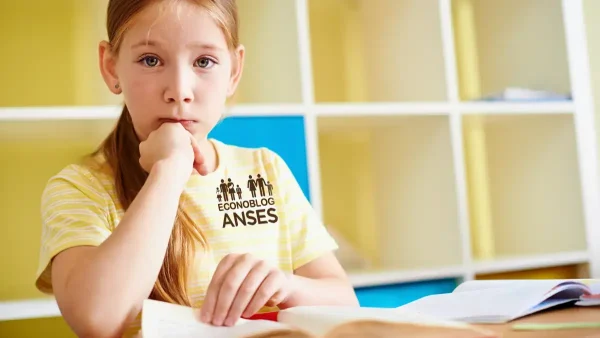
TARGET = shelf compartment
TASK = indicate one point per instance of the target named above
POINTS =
(31, 153)
(523, 185)
(516, 264)
(376, 51)
(575, 271)
(67, 34)
(268, 30)
(509, 43)
(388, 187)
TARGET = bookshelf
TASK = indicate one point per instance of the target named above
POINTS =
(378, 110)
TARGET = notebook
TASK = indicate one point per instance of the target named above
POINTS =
(500, 301)
(160, 319)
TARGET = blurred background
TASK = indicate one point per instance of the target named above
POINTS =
(440, 140)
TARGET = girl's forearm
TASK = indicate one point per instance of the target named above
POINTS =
(109, 285)
(324, 291)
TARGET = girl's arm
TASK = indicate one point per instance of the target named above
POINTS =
(321, 282)
(100, 290)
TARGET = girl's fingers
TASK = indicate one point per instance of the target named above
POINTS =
(269, 287)
(250, 285)
(230, 286)
(277, 298)
(212, 292)
(198, 157)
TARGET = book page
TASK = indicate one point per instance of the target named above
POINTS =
(320, 320)
(546, 284)
(490, 305)
(161, 319)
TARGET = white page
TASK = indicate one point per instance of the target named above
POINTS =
(546, 284)
(161, 319)
(318, 320)
(488, 305)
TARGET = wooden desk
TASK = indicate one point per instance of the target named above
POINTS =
(573, 314)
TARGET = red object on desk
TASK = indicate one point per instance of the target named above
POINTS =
(272, 316)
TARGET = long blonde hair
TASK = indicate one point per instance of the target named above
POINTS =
(121, 150)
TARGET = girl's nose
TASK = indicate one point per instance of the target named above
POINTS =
(181, 87)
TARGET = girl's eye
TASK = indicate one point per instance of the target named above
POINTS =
(204, 63)
(150, 61)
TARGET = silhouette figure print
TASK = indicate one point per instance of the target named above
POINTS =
(239, 191)
(261, 184)
(231, 189)
(252, 186)
(224, 190)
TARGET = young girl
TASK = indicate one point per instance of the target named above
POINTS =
(160, 211)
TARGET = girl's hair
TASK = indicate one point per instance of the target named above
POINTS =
(121, 150)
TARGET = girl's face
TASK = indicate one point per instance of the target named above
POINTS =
(173, 65)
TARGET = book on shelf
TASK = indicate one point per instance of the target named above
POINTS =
(161, 319)
(501, 301)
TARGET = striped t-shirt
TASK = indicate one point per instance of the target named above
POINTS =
(250, 204)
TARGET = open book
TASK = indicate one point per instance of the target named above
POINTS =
(500, 301)
(160, 319)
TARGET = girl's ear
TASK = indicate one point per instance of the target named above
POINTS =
(107, 67)
(237, 66)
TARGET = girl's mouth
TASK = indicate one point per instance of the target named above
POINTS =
(184, 122)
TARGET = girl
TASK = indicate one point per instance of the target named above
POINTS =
(140, 217)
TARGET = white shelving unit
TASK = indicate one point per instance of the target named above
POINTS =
(422, 181)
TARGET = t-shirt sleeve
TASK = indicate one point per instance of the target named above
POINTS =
(310, 238)
(73, 210)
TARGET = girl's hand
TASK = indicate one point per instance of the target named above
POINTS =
(241, 285)
(171, 142)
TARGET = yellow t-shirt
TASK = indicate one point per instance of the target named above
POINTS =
(250, 204)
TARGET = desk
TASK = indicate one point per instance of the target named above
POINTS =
(572, 314)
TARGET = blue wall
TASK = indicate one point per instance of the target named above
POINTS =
(395, 295)
(284, 135)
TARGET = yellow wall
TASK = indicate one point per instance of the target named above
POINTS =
(44, 327)
(50, 53)
(36, 63)
(28, 160)
(31, 152)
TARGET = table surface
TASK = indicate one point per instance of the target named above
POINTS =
(572, 314)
